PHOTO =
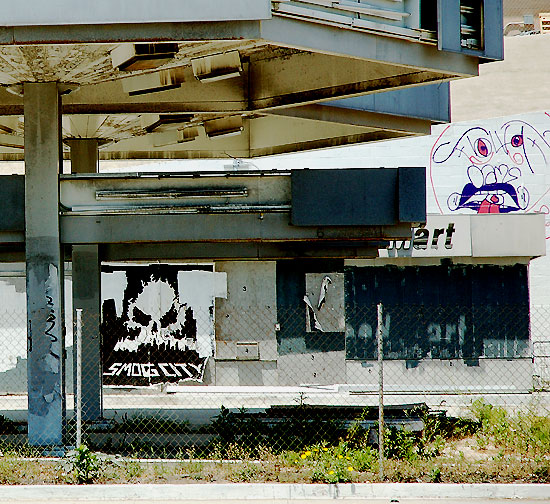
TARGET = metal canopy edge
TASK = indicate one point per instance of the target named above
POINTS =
(81, 12)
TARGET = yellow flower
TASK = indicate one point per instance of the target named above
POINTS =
(303, 455)
(325, 448)
(340, 456)
(347, 458)
(308, 453)
(350, 468)
(331, 472)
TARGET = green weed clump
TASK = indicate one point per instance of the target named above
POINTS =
(527, 434)
(335, 464)
(84, 465)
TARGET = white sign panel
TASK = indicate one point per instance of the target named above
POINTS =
(67, 12)
(442, 236)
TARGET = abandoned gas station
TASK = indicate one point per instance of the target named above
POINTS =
(208, 79)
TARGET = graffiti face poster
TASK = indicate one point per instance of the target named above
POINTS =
(157, 323)
(497, 166)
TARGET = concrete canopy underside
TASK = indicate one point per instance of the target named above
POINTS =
(291, 69)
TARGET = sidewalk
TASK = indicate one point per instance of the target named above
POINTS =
(275, 493)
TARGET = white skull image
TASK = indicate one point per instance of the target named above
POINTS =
(157, 317)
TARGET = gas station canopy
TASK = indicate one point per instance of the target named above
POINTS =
(211, 78)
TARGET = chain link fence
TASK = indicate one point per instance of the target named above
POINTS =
(189, 383)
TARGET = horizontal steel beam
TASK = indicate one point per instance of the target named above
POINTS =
(241, 207)
(71, 12)
(368, 46)
(204, 228)
(116, 33)
(228, 251)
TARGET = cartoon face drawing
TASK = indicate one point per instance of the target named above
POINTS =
(496, 167)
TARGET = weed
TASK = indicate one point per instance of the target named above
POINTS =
(85, 465)
(133, 469)
(244, 472)
(435, 475)
(192, 469)
(160, 471)
(527, 433)
(399, 444)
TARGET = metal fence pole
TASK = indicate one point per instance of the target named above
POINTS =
(78, 402)
(379, 337)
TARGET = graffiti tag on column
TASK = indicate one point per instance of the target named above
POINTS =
(50, 331)
(51, 322)
(496, 169)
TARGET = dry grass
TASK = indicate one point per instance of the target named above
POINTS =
(500, 449)
(462, 466)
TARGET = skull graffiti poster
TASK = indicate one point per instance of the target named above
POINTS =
(157, 323)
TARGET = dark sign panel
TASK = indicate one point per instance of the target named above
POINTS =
(449, 311)
(358, 197)
(438, 312)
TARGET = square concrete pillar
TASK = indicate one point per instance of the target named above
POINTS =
(45, 324)
(87, 297)
(84, 154)
(87, 294)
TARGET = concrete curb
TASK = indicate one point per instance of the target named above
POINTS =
(272, 492)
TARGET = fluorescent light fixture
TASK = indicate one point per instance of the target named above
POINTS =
(162, 80)
(224, 127)
(174, 136)
(128, 57)
(205, 192)
(217, 66)
(188, 134)
(163, 122)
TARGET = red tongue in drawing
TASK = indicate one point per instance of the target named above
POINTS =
(489, 206)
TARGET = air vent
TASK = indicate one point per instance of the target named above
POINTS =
(129, 57)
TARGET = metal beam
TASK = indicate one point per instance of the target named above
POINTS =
(205, 228)
(333, 40)
(343, 115)
(430, 102)
(281, 81)
(71, 12)
(117, 33)
(230, 251)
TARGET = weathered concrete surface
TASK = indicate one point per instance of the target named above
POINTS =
(45, 368)
(268, 493)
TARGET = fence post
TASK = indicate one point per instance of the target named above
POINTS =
(78, 402)
(379, 338)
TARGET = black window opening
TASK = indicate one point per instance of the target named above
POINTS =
(428, 15)
(471, 24)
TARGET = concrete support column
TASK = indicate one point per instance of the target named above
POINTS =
(87, 296)
(45, 324)
(84, 154)
(87, 293)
